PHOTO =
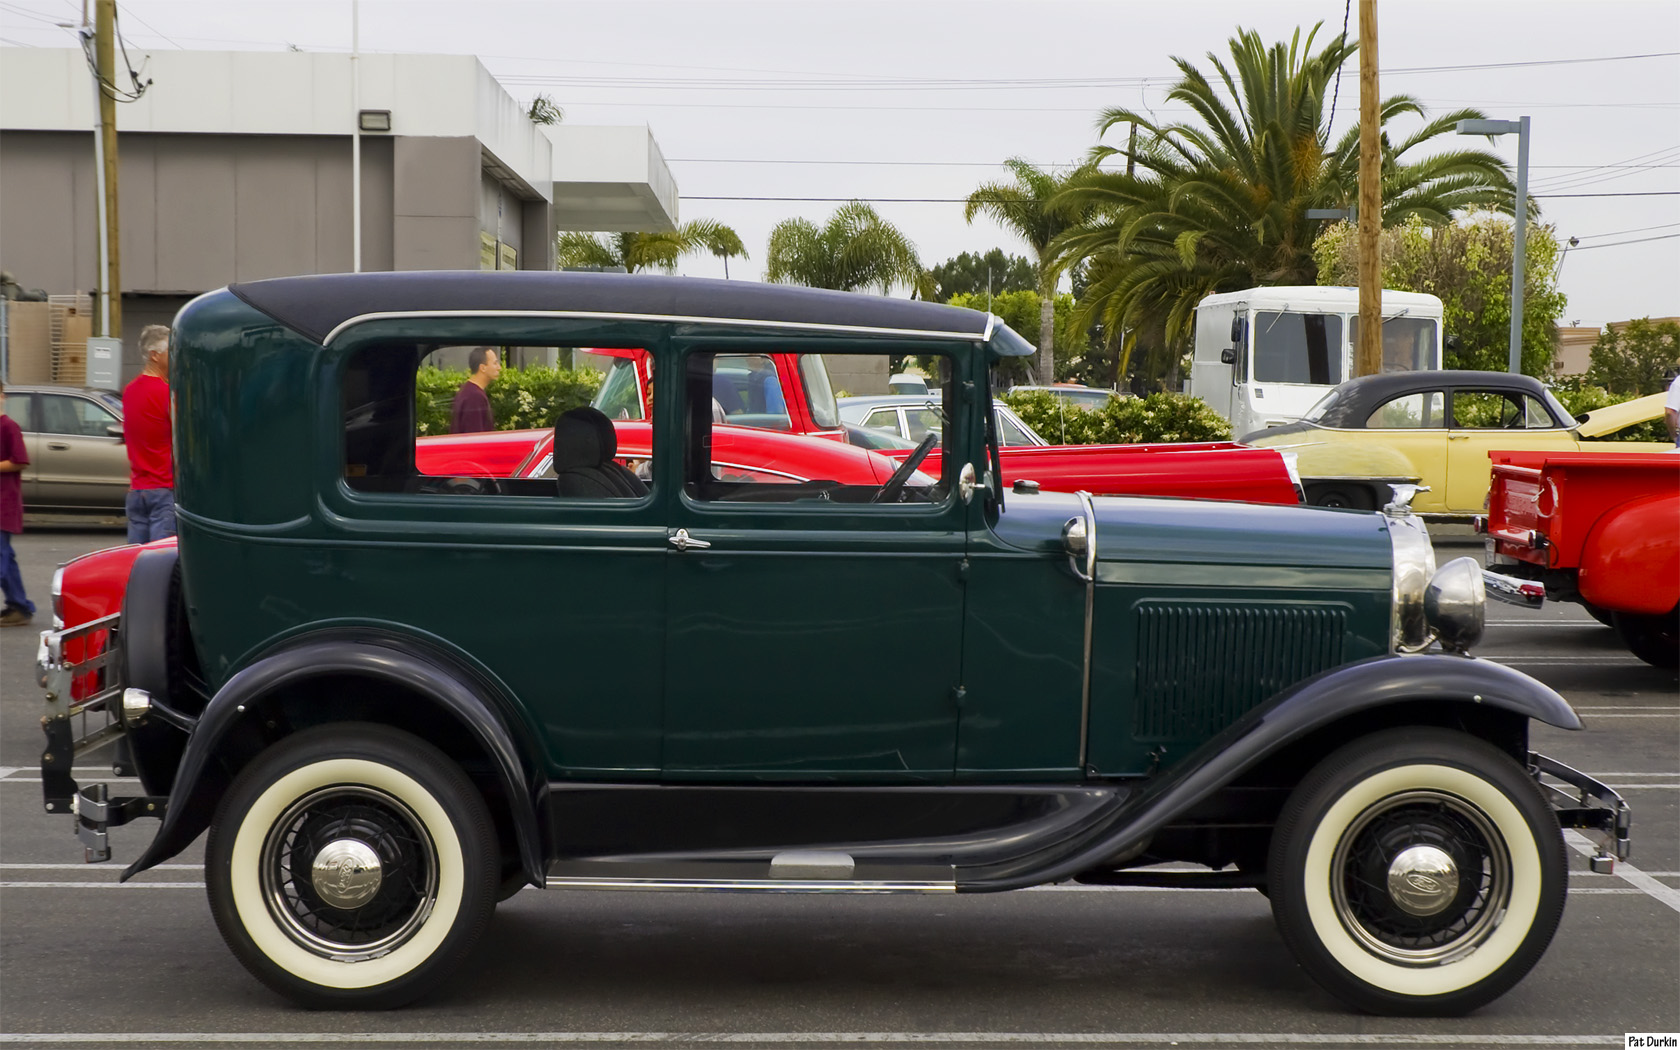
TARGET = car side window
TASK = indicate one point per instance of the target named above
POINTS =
(21, 407)
(1009, 433)
(75, 416)
(749, 389)
(735, 459)
(1499, 410)
(884, 419)
(479, 420)
(1418, 411)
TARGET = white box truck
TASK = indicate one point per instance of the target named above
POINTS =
(1264, 356)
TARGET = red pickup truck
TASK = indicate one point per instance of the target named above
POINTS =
(1598, 528)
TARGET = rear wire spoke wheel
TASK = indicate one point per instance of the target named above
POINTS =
(352, 866)
(1417, 872)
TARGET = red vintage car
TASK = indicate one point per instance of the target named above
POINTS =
(1598, 528)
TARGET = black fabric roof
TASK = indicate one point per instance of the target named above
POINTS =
(315, 305)
(1358, 398)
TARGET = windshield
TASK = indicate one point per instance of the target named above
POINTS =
(1292, 347)
(819, 393)
(1408, 343)
(620, 396)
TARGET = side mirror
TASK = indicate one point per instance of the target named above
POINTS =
(1239, 330)
(114, 430)
(1227, 356)
(1452, 342)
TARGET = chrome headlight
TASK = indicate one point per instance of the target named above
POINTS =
(1454, 604)
(1414, 567)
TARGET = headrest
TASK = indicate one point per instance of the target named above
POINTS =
(583, 437)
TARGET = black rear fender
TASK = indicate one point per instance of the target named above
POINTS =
(384, 680)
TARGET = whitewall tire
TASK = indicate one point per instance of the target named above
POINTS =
(352, 866)
(1417, 872)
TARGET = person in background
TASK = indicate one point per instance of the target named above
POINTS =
(146, 434)
(470, 411)
(1671, 410)
(13, 458)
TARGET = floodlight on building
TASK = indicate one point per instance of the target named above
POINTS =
(374, 120)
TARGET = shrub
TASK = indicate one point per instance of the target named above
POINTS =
(521, 398)
(1162, 417)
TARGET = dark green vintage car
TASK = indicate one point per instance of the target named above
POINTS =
(393, 699)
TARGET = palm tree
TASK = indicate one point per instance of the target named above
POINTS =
(1219, 203)
(1024, 206)
(640, 251)
(855, 249)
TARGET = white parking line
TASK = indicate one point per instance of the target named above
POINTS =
(1627, 872)
(847, 1038)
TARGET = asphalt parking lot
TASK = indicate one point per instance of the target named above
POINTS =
(87, 962)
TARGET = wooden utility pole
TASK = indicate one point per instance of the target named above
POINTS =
(1368, 354)
(105, 60)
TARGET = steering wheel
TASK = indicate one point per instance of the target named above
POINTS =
(893, 490)
(459, 486)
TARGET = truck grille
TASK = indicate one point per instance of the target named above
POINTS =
(1201, 666)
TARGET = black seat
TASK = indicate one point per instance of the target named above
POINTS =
(584, 446)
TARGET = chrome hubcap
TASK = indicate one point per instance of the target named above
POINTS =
(1423, 880)
(346, 873)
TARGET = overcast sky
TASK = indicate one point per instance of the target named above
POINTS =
(913, 103)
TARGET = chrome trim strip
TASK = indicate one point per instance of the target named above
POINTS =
(1090, 512)
(595, 315)
(991, 325)
(567, 882)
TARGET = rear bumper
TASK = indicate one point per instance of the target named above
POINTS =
(81, 671)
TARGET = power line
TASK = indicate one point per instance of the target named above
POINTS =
(1616, 244)
(1636, 229)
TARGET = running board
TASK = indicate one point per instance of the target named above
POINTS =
(794, 872)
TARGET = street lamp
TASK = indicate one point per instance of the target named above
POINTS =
(1519, 244)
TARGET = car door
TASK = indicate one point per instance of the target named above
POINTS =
(1413, 428)
(79, 463)
(810, 633)
(1484, 419)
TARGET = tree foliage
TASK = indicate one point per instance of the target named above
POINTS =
(966, 274)
(1028, 206)
(521, 398)
(1468, 264)
(544, 111)
(643, 251)
(1218, 203)
(1023, 311)
(855, 250)
(1636, 358)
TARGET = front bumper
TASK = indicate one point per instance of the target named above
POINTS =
(81, 671)
(1590, 805)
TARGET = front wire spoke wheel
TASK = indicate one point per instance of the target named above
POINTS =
(1417, 871)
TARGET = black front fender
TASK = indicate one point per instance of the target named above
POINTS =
(467, 701)
(1311, 704)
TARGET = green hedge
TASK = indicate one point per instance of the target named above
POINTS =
(521, 398)
(1159, 417)
(1580, 398)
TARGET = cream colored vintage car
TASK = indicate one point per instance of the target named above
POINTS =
(1436, 428)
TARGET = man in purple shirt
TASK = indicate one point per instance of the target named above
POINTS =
(470, 411)
(13, 458)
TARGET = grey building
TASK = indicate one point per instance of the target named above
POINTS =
(237, 166)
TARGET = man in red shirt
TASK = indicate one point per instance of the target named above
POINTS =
(146, 433)
(13, 458)
(470, 411)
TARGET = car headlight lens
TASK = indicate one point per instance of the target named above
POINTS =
(1454, 603)
(1414, 568)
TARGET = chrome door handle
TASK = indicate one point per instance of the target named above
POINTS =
(682, 541)
(1458, 437)
(58, 446)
